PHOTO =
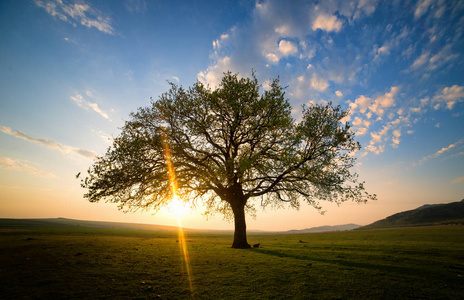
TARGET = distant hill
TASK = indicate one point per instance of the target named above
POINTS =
(63, 223)
(326, 228)
(56, 223)
(429, 214)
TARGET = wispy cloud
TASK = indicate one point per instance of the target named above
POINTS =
(48, 143)
(7, 163)
(422, 7)
(104, 136)
(136, 6)
(428, 62)
(79, 12)
(439, 152)
(69, 40)
(79, 100)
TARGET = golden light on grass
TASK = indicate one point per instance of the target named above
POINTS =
(180, 209)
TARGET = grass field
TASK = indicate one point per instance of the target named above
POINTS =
(410, 263)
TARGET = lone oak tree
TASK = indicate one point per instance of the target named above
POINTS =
(229, 146)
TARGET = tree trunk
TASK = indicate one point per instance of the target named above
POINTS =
(240, 238)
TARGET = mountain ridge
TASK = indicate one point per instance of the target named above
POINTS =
(325, 228)
(428, 214)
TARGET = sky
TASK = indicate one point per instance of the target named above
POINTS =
(72, 72)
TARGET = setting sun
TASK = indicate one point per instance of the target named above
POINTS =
(177, 207)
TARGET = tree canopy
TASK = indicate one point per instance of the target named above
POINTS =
(232, 148)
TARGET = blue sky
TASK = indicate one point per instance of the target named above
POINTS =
(72, 71)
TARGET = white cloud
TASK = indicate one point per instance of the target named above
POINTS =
(48, 143)
(375, 149)
(319, 83)
(175, 78)
(79, 12)
(384, 50)
(81, 102)
(416, 109)
(384, 101)
(218, 43)
(272, 58)
(364, 108)
(287, 47)
(396, 138)
(357, 121)
(327, 23)
(360, 122)
(379, 138)
(267, 85)
(7, 163)
(376, 137)
(387, 100)
(361, 131)
(339, 94)
(361, 125)
(213, 75)
(449, 96)
(362, 102)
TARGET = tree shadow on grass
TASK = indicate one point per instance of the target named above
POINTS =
(339, 261)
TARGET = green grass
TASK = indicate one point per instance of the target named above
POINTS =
(419, 263)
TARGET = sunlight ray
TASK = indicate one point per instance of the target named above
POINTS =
(179, 212)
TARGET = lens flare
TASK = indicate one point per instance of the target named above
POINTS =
(179, 210)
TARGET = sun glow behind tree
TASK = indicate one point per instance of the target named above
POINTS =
(179, 209)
